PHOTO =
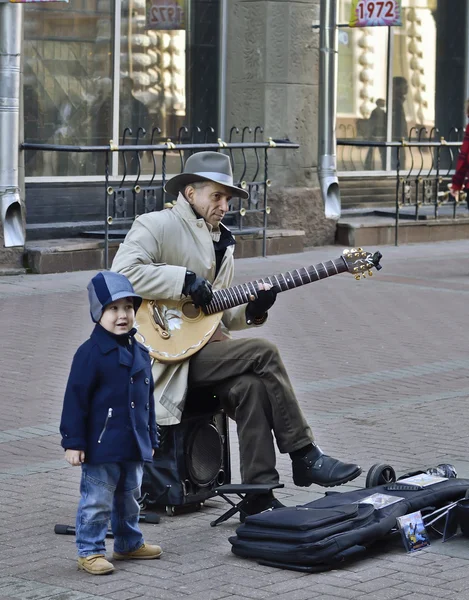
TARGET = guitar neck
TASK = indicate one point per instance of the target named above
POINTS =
(241, 294)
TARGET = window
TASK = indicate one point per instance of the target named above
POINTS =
(363, 107)
(67, 84)
(167, 68)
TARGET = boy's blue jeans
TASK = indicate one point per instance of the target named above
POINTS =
(109, 491)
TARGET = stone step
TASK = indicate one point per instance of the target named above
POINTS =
(366, 191)
(12, 271)
(368, 230)
(371, 194)
(376, 181)
(11, 260)
(81, 254)
(59, 230)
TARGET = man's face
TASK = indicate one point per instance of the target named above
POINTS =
(400, 89)
(210, 201)
(118, 316)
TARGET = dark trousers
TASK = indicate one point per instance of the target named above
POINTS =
(255, 390)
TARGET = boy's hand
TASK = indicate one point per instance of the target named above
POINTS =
(75, 457)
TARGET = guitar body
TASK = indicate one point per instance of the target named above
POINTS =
(174, 330)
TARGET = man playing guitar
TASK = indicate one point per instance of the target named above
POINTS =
(171, 254)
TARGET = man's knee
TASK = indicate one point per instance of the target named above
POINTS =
(247, 386)
(266, 349)
(247, 394)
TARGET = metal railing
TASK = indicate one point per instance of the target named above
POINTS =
(138, 193)
(370, 154)
(424, 183)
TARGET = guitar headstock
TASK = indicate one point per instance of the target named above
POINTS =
(360, 263)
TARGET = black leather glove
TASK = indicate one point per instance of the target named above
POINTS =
(198, 288)
(257, 309)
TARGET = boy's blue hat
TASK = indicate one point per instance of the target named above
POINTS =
(107, 287)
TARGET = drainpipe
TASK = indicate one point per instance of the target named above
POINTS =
(327, 166)
(223, 68)
(11, 33)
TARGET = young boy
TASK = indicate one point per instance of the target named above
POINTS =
(108, 426)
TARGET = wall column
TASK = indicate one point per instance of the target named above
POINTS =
(272, 81)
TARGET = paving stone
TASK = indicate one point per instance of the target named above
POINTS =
(430, 591)
(385, 593)
(380, 371)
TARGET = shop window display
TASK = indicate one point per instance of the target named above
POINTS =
(167, 80)
(363, 107)
(67, 81)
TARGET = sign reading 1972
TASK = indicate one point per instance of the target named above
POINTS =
(165, 14)
(375, 13)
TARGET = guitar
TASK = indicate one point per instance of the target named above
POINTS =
(174, 330)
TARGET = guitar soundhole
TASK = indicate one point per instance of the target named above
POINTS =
(190, 311)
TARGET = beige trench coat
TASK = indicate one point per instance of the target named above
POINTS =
(154, 256)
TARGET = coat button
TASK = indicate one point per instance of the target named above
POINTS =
(147, 381)
(200, 224)
(147, 406)
(148, 427)
(132, 405)
(131, 380)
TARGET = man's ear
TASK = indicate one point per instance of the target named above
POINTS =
(189, 193)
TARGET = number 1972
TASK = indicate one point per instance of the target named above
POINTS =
(166, 14)
(376, 10)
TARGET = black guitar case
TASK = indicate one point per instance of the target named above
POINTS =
(320, 535)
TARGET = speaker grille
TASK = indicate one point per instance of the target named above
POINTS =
(204, 454)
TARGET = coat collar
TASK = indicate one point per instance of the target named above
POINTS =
(184, 210)
(106, 343)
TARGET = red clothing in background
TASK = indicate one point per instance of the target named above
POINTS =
(462, 166)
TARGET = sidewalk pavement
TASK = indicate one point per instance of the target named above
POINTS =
(380, 368)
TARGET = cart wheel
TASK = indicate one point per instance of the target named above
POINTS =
(170, 511)
(380, 474)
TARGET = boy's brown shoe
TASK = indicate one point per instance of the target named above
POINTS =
(96, 564)
(145, 552)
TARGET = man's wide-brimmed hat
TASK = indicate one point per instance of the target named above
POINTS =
(206, 166)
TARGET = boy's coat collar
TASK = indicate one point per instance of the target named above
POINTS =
(107, 343)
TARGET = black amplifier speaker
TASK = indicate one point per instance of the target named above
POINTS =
(193, 457)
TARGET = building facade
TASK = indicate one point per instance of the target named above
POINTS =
(199, 69)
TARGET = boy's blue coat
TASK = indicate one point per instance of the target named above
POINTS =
(104, 376)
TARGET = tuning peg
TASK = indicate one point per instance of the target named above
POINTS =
(357, 277)
(370, 273)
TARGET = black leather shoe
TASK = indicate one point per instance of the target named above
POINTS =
(259, 503)
(323, 470)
